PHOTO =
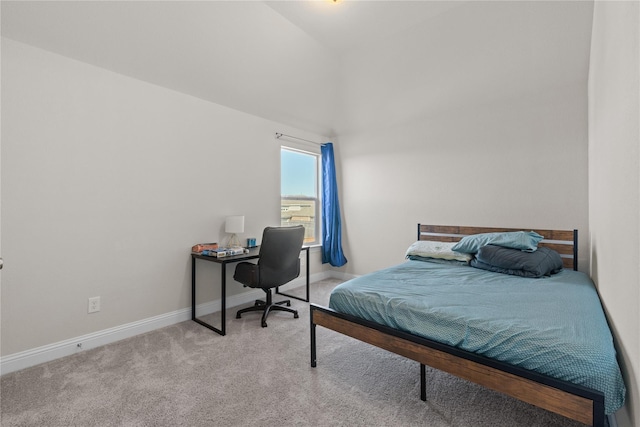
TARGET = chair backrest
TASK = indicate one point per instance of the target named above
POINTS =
(279, 260)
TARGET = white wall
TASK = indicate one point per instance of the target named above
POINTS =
(107, 182)
(477, 118)
(614, 186)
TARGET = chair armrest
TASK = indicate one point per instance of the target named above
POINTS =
(248, 274)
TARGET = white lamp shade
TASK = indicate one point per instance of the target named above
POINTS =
(234, 224)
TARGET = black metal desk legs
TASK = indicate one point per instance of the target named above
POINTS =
(293, 296)
(223, 299)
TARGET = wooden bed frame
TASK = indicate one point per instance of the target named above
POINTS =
(570, 400)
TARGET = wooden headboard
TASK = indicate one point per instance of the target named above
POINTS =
(565, 242)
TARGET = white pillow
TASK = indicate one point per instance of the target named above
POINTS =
(440, 250)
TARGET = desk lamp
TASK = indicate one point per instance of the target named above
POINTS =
(234, 225)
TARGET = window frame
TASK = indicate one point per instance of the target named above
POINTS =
(318, 189)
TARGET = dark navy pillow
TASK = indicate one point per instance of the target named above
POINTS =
(543, 262)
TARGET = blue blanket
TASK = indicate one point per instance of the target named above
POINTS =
(552, 325)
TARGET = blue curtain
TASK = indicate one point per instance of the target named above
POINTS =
(332, 233)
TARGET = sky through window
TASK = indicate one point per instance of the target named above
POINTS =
(298, 174)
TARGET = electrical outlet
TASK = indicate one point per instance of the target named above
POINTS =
(94, 305)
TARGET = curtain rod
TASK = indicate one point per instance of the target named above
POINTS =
(280, 135)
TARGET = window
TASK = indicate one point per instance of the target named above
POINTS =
(299, 200)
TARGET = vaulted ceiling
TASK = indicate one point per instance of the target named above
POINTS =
(281, 60)
(278, 59)
(346, 25)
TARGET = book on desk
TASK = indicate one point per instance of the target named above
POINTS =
(222, 252)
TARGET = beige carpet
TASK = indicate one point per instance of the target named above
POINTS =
(186, 375)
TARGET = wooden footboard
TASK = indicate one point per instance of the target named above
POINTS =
(572, 401)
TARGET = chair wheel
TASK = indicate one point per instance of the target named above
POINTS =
(238, 316)
(295, 315)
(288, 303)
(264, 324)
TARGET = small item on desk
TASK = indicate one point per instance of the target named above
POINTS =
(251, 242)
(204, 246)
(222, 252)
(217, 253)
(236, 250)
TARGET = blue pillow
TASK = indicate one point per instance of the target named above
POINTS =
(523, 240)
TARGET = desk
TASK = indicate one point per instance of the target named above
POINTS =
(254, 253)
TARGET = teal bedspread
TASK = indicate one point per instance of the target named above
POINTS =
(553, 325)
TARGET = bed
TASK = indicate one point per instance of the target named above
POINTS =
(544, 341)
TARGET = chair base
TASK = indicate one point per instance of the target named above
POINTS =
(266, 307)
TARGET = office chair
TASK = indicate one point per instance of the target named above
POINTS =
(278, 263)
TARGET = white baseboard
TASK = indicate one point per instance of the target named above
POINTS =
(342, 276)
(38, 355)
(25, 359)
